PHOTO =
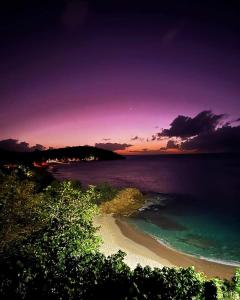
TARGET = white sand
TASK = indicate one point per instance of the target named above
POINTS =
(113, 240)
(143, 249)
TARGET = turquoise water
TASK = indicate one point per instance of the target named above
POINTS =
(201, 236)
(200, 215)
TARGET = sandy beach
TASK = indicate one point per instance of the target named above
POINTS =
(114, 239)
(142, 248)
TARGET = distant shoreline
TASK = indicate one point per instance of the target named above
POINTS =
(142, 248)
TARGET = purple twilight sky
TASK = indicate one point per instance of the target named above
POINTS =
(76, 72)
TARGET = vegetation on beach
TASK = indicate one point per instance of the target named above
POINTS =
(125, 202)
(50, 249)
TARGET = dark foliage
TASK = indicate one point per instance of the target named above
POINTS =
(49, 250)
(80, 152)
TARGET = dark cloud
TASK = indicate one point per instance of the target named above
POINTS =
(205, 132)
(112, 146)
(16, 146)
(135, 138)
(106, 139)
(224, 139)
(158, 137)
(38, 147)
(154, 137)
(185, 127)
(172, 145)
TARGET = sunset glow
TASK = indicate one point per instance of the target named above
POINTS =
(111, 78)
(119, 149)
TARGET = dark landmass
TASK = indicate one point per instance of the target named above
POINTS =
(79, 152)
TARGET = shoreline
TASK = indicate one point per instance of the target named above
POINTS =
(144, 249)
(114, 240)
(176, 258)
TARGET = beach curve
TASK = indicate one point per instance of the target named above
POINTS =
(143, 249)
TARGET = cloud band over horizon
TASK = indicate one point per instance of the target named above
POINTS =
(205, 132)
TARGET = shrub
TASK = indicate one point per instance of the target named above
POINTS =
(68, 214)
(236, 280)
(20, 209)
(106, 191)
(38, 260)
(167, 283)
(126, 202)
(53, 250)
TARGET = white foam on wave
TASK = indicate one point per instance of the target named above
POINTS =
(222, 262)
(215, 260)
(153, 200)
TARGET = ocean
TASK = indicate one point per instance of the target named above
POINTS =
(194, 200)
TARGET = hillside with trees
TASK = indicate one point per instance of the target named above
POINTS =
(64, 154)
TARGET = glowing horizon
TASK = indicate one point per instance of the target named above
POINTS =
(114, 77)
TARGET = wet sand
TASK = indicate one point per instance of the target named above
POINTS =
(172, 256)
(142, 248)
(114, 240)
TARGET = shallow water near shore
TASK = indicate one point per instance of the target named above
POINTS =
(204, 238)
(195, 199)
